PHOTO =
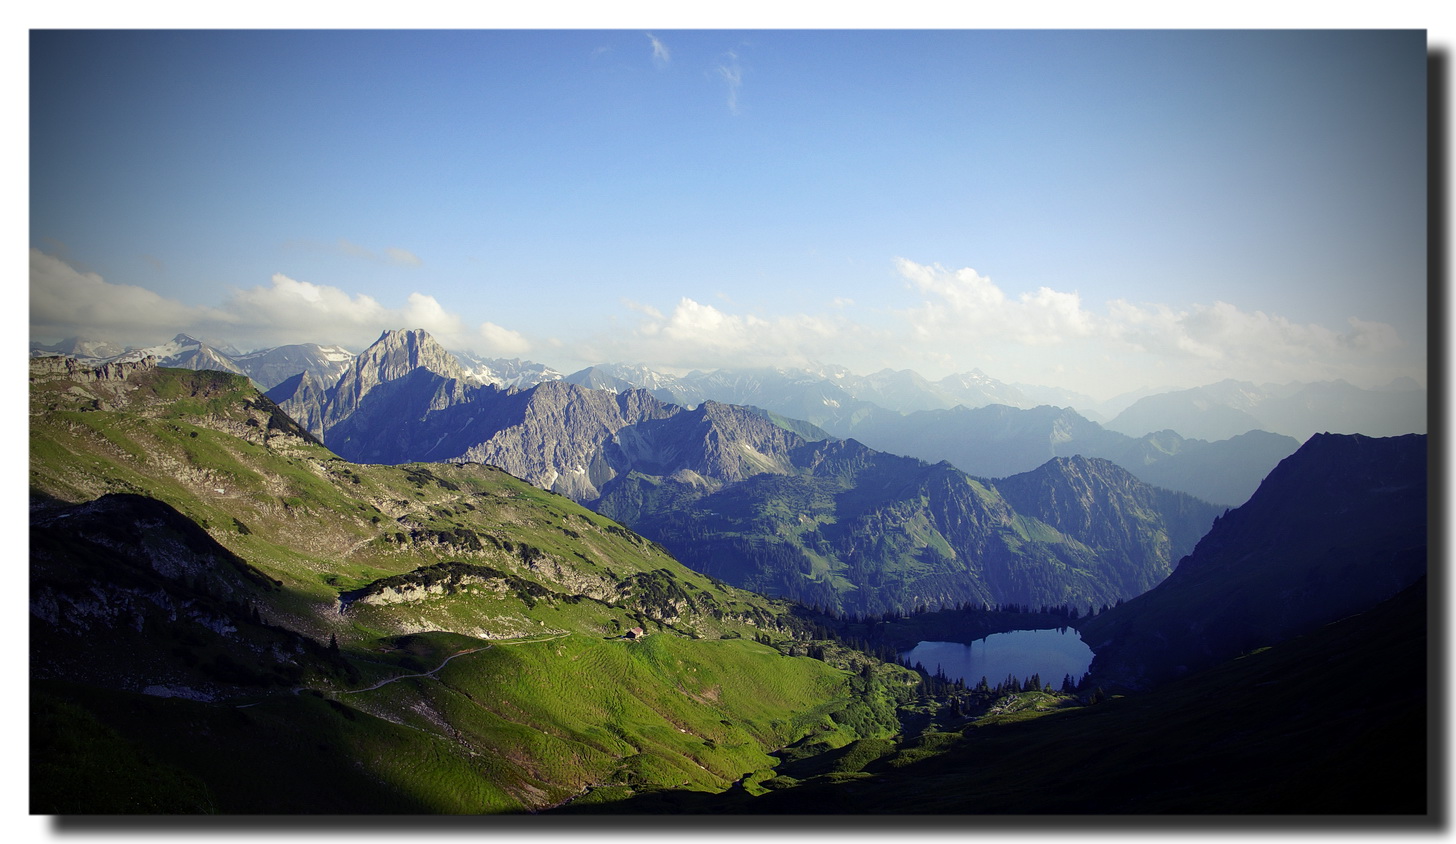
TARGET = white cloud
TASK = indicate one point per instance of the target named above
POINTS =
(963, 316)
(288, 306)
(1221, 332)
(965, 306)
(65, 302)
(961, 320)
(958, 320)
(502, 342)
(1371, 337)
(423, 311)
(660, 54)
(697, 335)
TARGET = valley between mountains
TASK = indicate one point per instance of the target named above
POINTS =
(389, 585)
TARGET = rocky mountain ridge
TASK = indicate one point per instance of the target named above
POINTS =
(405, 400)
(839, 401)
(842, 526)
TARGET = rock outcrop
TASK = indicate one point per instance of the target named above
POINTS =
(393, 356)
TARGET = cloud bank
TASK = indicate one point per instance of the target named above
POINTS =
(961, 320)
(65, 303)
(955, 320)
(967, 316)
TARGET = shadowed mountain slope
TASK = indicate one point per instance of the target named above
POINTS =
(1332, 724)
(1337, 527)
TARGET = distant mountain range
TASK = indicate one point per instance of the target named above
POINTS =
(266, 367)
(1215, 442)
(775, 506)
(1230, 408)
(846, 404)
(270, 367)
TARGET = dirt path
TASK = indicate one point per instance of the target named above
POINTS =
(446, 661)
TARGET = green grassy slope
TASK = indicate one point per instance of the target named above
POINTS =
(334, 637)
(1332, 723)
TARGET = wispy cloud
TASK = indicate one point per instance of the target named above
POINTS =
(732, 73)
(402, 257)
(661, 56)
(694, 335)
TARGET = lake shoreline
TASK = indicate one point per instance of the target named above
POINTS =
(1050, 654)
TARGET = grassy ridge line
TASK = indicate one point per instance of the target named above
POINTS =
(322, 526)
(318, 523)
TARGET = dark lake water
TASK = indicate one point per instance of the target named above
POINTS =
(1051, 653)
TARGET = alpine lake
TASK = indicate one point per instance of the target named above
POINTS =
(1051, 653)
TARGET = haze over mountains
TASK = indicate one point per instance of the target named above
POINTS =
(760, 491)
(1197, 441)
(838, 400)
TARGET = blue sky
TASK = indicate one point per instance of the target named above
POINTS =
(1094, 210)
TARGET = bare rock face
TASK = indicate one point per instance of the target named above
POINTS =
(69, 368)
(98, 386)
(557, 434)
(715, 441)
(302, 397)
(404, 401)
(393, 356)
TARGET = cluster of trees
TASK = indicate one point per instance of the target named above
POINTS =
(963, 700)
(1070, 612)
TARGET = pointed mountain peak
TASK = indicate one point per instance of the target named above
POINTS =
(395, 355)
(400, 351)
